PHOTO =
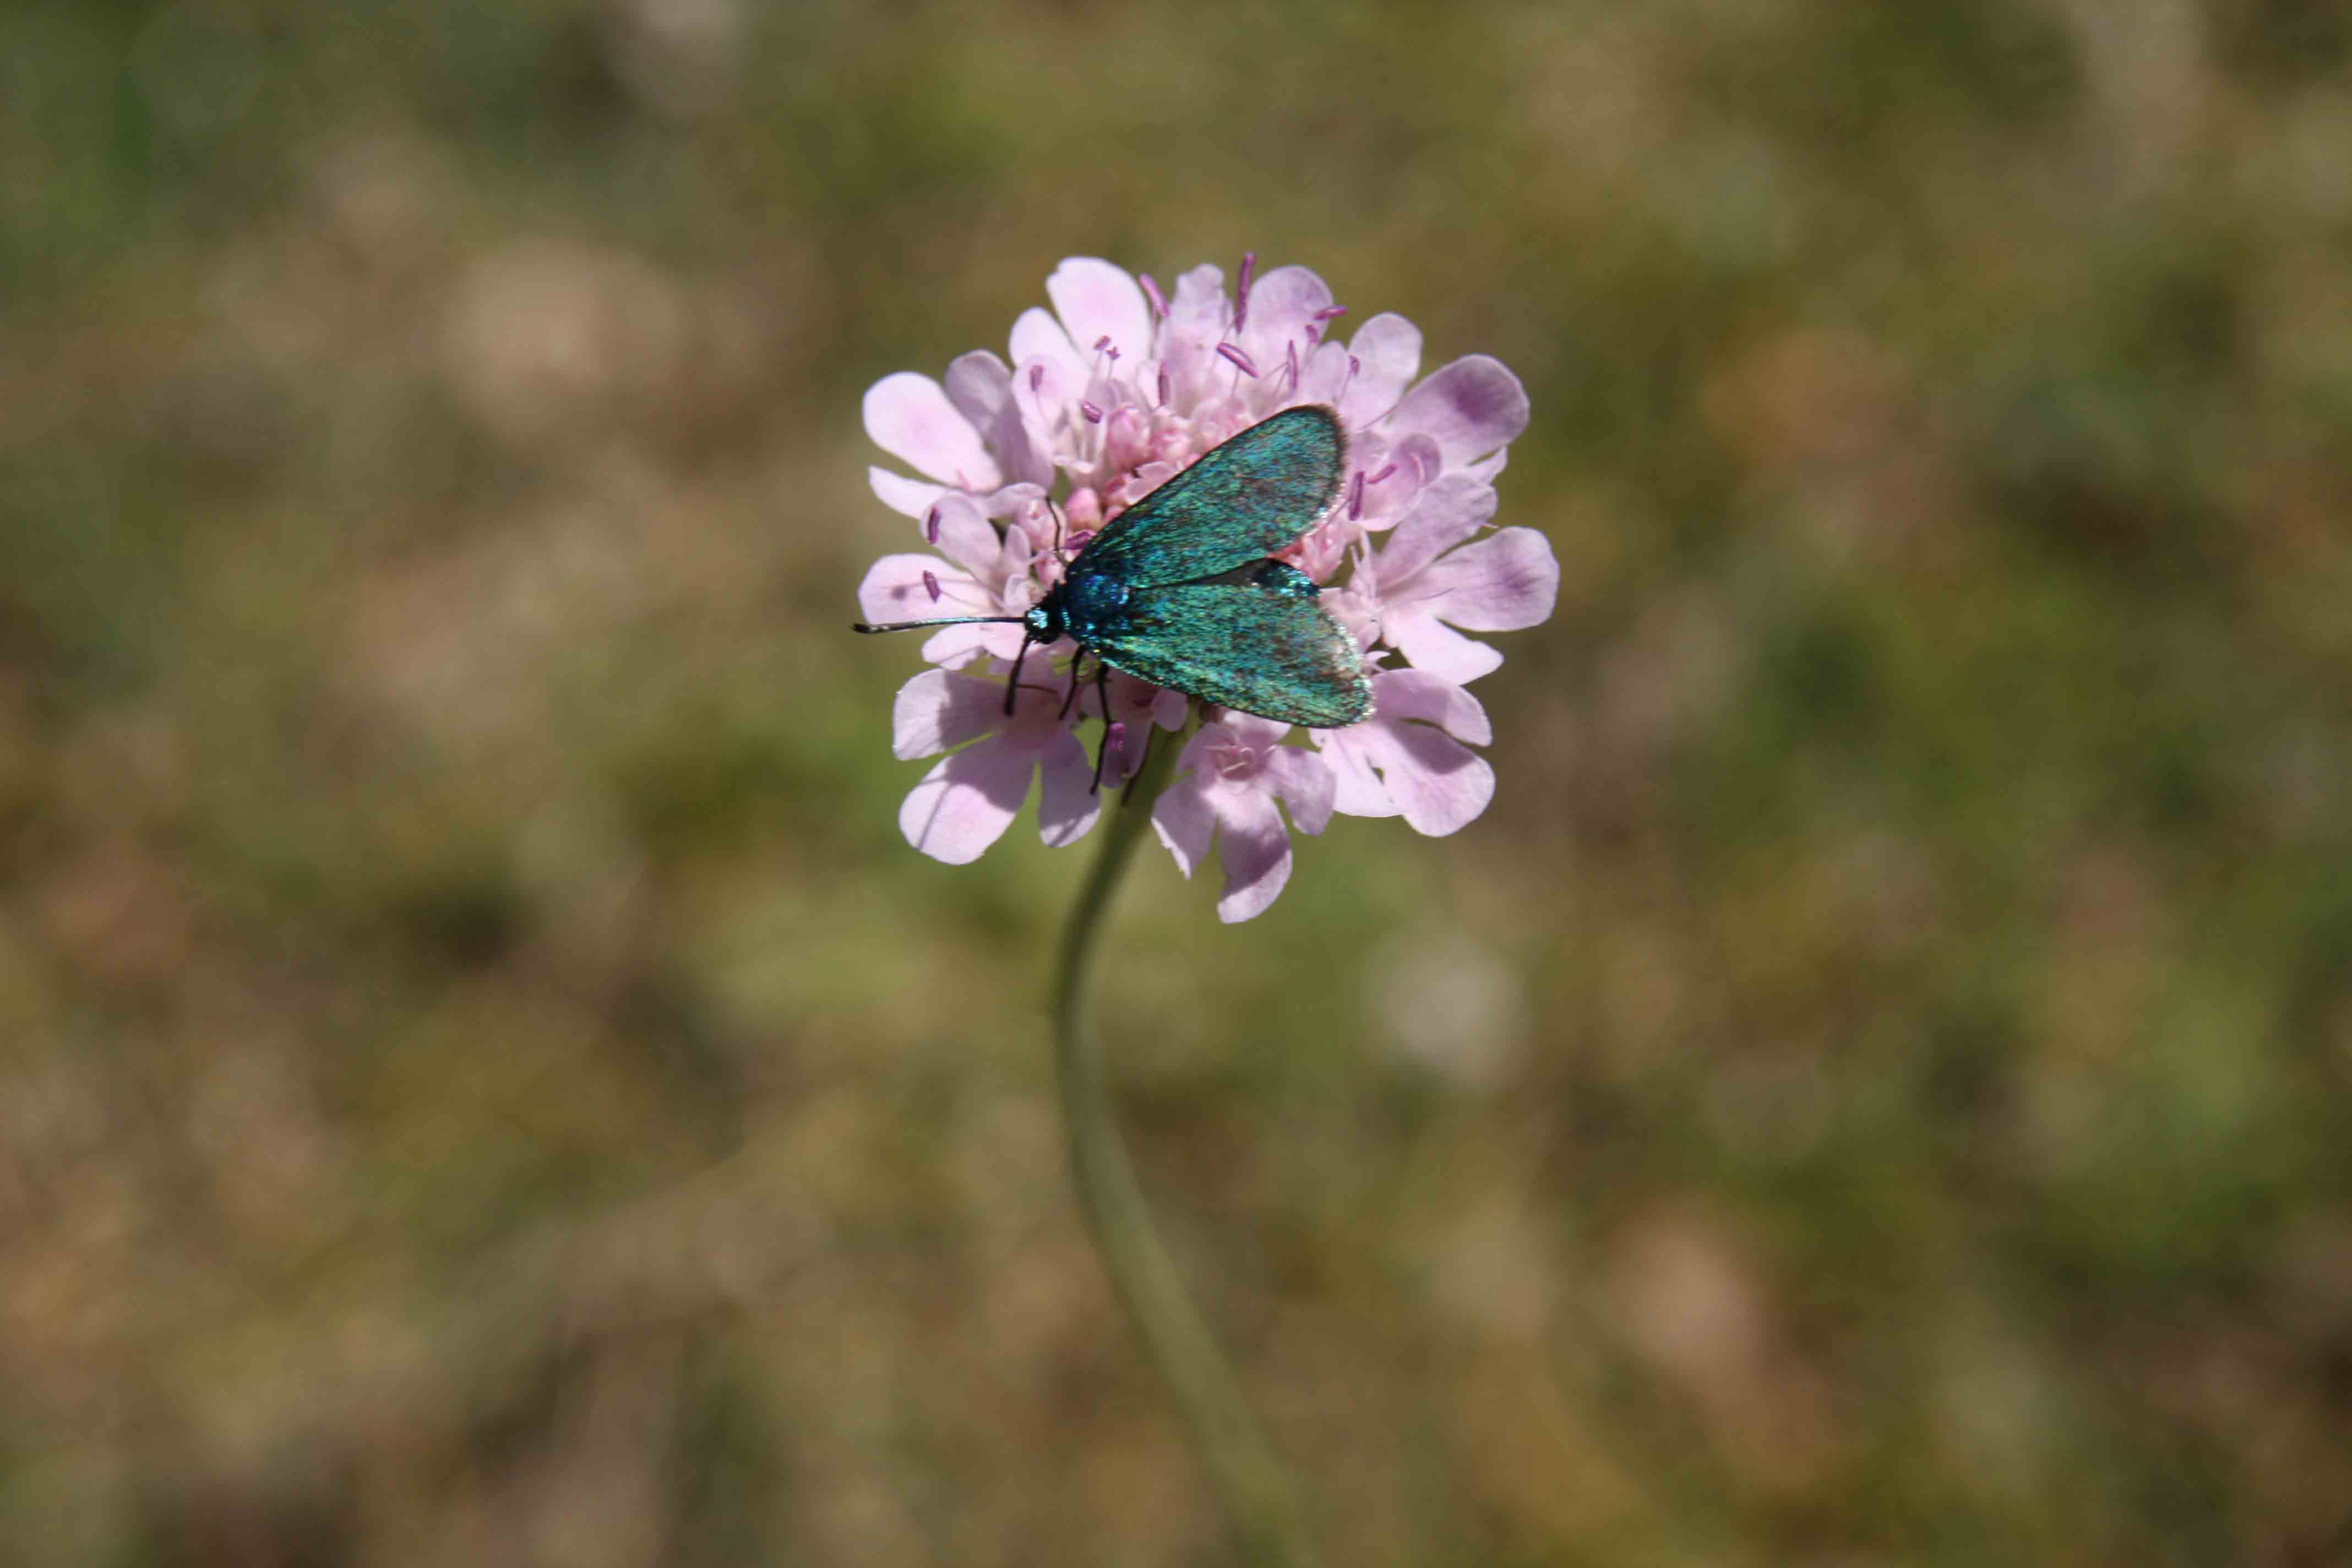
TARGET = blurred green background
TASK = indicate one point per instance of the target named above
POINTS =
(483, 1081)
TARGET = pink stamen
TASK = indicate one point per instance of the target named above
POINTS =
(1159, 300)
(1241, 308)
(1094, 415)
(1384, 473)
(1354, 364)
(1102, 343)
(1314, 334)
(1232, 354)
(1079, 539)
(1163, 386)
(1355, 497)
(1036, 376)
(1290, 353)
(931, 586)
(1330, 312)
(931, 526)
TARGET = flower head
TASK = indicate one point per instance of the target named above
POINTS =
(1117, 388)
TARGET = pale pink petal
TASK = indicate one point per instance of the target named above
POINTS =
(1282, 304)
(1009, 574)
(1435, 647)
(1181, 817)
(909, 417)
(1501, 584)
(1396, 470)
(908, 498)
(1024, 509)
(1444, 515)
(1249, 729)
(1043, 389)
(957, 645)
(1388, 351)
(966, 801)
(1255, 850)
(1150, 477)
(980, 384)
(1439, 785)
(981, 387)
(1038, 337)
(966, 536)
(1469, 408)
(1305, 783)
(1066, 804)
(1489, 466)
(1197, 319)
(1199, 313)
(1324, 375)
(1403, 694)
(893, 590)
(1358, 790)
(1425, 774)
(1097, 300)
(936, 712)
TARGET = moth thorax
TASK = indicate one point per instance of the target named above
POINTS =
(1095, 595)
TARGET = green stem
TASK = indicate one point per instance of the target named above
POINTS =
(1242, 1467)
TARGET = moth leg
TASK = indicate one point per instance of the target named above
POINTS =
(1072, 695)
(1102, 692)
(1012, 681)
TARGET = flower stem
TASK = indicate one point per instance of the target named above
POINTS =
(1242, 1467)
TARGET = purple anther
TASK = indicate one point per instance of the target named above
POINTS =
(1384, 473)
(1241, 306)
(1093, 414)
(1290, 354)
(1232, 354)
(931, 586)
(1163, 386)
(1159, 300)
(1355, 497)
(1102, 343)
(931, 526)
(1036, 376)
(1330, 312)
(1079, 539)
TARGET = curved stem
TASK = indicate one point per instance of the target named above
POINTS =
(1241, 1469)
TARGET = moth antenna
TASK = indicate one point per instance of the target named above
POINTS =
(1056, 511)
(940, 621)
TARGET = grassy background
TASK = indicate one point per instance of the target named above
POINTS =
(482, 1080)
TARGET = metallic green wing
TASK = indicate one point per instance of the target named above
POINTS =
(1240, 502)
(1242, 647)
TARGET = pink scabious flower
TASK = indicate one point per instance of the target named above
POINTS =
(1101, 400)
